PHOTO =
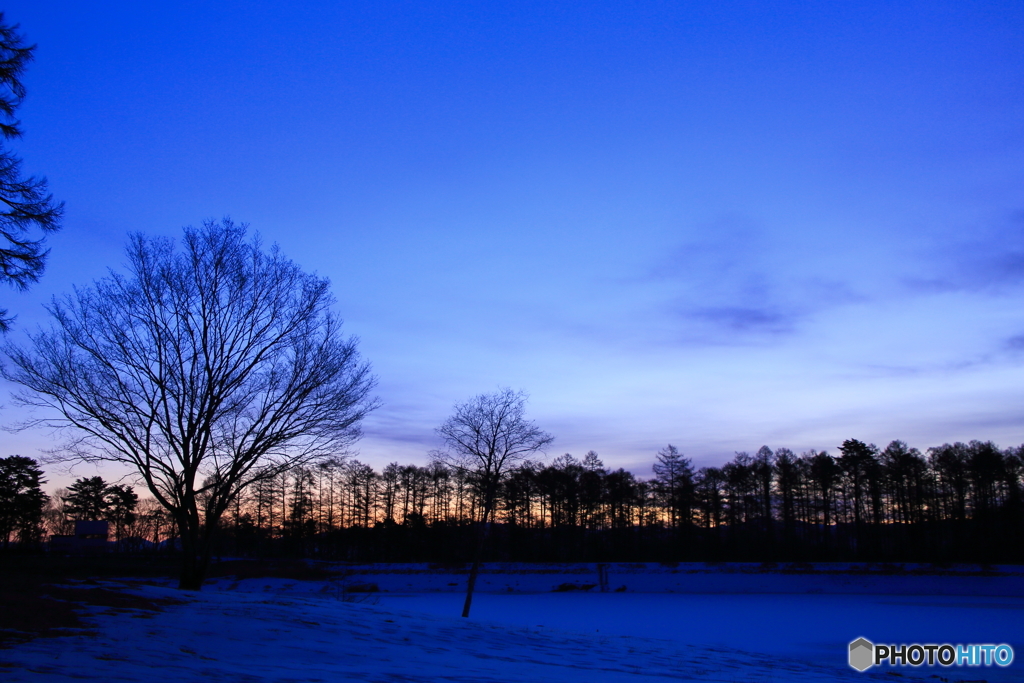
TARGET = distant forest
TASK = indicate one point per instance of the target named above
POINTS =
(955, 503)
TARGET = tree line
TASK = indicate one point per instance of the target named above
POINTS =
(955, 502)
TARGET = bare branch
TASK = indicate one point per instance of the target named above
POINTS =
(205, 369)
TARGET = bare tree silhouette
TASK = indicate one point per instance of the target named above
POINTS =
(206, 369)
(486, 437)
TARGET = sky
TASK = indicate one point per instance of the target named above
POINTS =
(711, 224)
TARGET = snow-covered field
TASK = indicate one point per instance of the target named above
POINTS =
(736, 623)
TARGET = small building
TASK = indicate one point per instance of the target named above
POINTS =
(89, 537)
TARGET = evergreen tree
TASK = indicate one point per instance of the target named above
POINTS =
(592, 490)
(25, 204)
(949, 465)
(857, 461)
(87, 499)
(763, 471)
(673, 476)
(824, 473)
(788, 473)
(21, 499)
(121, 503)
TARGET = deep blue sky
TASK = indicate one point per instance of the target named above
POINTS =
(715, 224)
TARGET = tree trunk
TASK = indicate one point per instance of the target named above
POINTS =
(195, 555)
(472, 583)
(192, 574)
(475, 569)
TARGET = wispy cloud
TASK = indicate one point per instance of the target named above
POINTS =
(731, 283)
(986, 259)
(743, 319)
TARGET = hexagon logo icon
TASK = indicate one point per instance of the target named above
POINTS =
(862, 654)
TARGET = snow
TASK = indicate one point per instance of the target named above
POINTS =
(699, 577)
(277, 630)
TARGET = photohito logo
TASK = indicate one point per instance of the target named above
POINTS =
(864, 654)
